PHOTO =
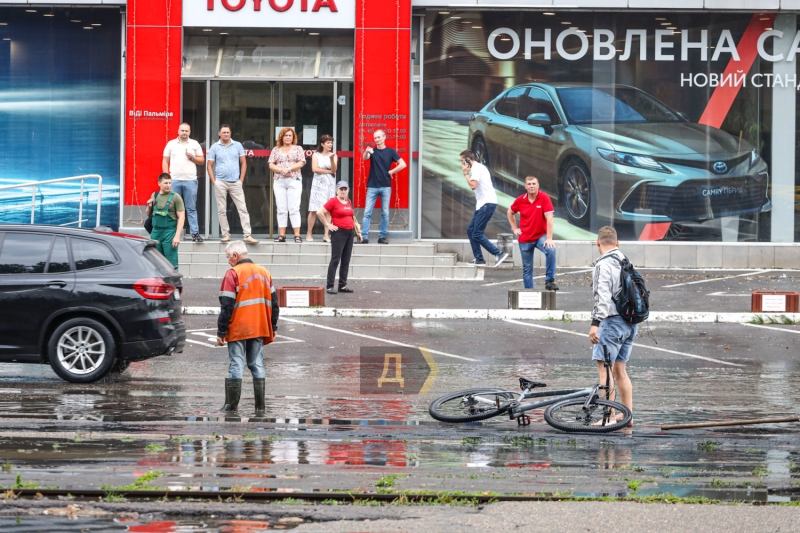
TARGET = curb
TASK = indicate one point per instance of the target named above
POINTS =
(517, 314)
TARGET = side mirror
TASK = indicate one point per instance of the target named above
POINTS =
(539, 119)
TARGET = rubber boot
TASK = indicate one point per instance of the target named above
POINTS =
(258, 392)
(233, 391)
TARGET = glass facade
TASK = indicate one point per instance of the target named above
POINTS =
(665, 126)
(60, 106)
(283, 54)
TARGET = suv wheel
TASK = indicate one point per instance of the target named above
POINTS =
(81, 350)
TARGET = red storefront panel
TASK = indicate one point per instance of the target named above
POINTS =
(153, 91)
(382, 84)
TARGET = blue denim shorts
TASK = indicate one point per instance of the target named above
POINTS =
(618, 336)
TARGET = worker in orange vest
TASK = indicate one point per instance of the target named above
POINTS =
(248, 319)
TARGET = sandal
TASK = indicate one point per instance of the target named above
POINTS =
(309, 238)
(281, 238)
(297, 239)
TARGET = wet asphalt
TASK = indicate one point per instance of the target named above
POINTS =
(323, 432)
(707, 290)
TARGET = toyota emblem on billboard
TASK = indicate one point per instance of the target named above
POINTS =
(720, 167)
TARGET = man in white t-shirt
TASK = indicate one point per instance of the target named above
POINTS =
(480, 181)
(180, 160)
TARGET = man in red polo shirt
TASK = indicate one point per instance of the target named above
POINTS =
(535, 231)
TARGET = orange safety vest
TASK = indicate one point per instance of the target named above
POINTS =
(252, 313)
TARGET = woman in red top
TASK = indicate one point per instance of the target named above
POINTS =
(337, 215)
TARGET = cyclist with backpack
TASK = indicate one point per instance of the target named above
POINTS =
(620, 303)
(168, 215)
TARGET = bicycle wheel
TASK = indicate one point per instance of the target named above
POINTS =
(471, 405)
(570, 415)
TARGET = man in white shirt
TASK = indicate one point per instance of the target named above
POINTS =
(480, 181)
(180, 159)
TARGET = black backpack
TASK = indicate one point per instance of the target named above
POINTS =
(633, 301)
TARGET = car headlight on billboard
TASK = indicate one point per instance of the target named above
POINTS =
(633, 160)
(754, 158)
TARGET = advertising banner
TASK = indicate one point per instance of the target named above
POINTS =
(660, 125)
(60, 103)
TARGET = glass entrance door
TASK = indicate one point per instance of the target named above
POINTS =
(256, 112)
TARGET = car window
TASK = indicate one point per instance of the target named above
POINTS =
(159, 261)
(617, 105)
(538, 101)
(508, 105)
(59, 258)
(24, 253)
(91, 254)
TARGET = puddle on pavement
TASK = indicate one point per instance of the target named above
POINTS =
(328, 392)
(712, 470)
(83, 523)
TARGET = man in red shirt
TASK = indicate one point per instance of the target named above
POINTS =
(535, 231)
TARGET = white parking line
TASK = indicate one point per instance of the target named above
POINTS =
(585, 335)
(770, 327)
(720, 293)
(212, 339)
(518, 280)
(376, 338)
(754, 273)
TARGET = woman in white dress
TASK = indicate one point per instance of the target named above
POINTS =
(324, 163)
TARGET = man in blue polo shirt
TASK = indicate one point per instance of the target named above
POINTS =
(227, 167)
(379, 183)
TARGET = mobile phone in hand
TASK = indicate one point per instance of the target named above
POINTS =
(468, 161)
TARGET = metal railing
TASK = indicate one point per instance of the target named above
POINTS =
(36, 184)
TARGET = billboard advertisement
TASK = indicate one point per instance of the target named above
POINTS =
(60, 104)
(659, 124)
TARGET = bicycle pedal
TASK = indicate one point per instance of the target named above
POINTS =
(523, 421)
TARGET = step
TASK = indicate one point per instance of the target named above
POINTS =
(267, 259)
(265, 246)
(460, 271)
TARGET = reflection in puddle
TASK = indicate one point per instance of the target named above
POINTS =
(264, 463)
(88, 521)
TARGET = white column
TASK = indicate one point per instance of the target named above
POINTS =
(783, 135)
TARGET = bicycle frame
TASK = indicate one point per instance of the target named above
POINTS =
(516, 410)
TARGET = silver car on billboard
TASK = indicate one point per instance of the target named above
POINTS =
(616, 153)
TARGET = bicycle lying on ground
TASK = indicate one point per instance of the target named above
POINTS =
(573, 410)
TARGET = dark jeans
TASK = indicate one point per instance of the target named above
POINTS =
(341, 250)
(475, 232)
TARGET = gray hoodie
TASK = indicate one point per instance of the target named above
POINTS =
(605, 285)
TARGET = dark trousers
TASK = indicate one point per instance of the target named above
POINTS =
(475, 232)
(341, 250)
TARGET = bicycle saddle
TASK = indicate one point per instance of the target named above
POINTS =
(528, 384)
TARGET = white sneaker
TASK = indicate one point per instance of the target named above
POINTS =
(500, 258)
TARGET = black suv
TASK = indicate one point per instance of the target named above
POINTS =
(87, 302)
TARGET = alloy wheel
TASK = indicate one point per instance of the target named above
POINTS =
(81, 350)
(576, 192)
(481, 152)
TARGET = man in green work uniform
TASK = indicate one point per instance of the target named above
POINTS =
(168, 218)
